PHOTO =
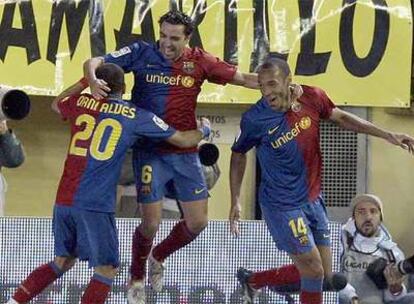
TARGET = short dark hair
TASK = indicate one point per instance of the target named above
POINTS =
(113, 75)
(178, 17)
(275, 63)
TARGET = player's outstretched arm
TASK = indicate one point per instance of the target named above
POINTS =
(74, 89)
(247, 80)
(352, 122)
(191, 138)
(237, 169)
(98, 87)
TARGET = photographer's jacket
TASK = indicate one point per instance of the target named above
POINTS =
(358, 253)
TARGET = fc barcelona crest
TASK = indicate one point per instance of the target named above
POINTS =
(188, 67)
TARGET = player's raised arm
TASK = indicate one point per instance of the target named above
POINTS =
(352, 122)
(99, 88)
(237, 169)
(191, 138)
(74, 89)
(247, 80)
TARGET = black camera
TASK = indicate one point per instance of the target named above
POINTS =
(14, 104)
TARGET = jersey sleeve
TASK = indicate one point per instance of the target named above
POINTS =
(67, 107)
(153, 127)
(126, 56)
(324, 104)
(217, 71)
(248, 136)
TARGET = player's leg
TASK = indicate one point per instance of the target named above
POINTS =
(100, 285)
(191, 191)
(311, 272)
(46, 274)
(141, 247)
(319, 224)
(291, 233)
(143, 238)
(185, 231)
(98, 243)
(40, 278)
(151, 175)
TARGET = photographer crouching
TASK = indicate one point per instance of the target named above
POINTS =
(370, 258)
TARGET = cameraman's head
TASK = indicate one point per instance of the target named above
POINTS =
(367, 213)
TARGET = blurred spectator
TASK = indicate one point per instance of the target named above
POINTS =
(368, 256)
(11, 156)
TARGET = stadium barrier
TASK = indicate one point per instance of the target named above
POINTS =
(202, 272)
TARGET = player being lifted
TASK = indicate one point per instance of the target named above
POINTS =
(83, 217)
(168, 78)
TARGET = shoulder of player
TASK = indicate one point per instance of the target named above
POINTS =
(311, 95)
(76, 97)
(137, 46)
(196, 54)
(312, 92)
(250, 115)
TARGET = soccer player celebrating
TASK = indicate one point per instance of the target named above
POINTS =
(285, 131)
(168, 79)
(83, 217)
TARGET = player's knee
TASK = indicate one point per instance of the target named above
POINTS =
(314, 268)
(311, 267)
(149, 227)
(65, 263)
(197, 225)
(107, 271)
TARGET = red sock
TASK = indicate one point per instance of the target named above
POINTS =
(141, 247)
(285, 275)
(38, 280)
(307, 297)
(97, 290)
(178, 238)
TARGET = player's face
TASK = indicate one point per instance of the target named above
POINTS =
(367, 218)
(172, 40)
(276, 89)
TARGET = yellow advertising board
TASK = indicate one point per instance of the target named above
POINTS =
(359, 51)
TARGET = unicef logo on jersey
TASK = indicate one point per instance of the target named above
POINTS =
(185, 81)
(303, 124)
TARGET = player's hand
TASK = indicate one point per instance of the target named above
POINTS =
(403, 140)
(394, 278)
(204, 125)
(204, 122)
(3, 127)
(99, 88)
(234, 218)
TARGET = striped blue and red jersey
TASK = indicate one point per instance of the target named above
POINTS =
(101, 133)
(288, 148)
(170, 89)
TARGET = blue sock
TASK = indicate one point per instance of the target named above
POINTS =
(102, 279)
(311, 285)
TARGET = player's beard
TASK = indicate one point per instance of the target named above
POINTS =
(284, 103)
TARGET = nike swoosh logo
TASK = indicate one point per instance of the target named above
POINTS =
(198, 191)
(273, 130)
(326, 235)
